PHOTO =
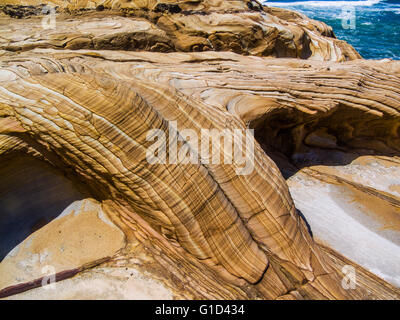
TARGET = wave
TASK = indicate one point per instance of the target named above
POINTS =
(329, 3)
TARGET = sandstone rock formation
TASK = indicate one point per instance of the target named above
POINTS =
(192, 26)
(194, 230)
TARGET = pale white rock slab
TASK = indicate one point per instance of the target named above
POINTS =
(356, 229)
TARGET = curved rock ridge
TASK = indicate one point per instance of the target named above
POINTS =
(286, 101)
(217, 220)
(243, 27)
(82, 111)
(88, 113)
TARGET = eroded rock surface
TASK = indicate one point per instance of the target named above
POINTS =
(157, 26)
(201, 230)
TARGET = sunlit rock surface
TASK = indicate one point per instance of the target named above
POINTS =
(78, 117)
(359, 220)
(81, 234)
(165, 26)
(103, 283)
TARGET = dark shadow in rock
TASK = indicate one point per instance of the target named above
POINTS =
(32, 193)
(294, 139)
(306, 222)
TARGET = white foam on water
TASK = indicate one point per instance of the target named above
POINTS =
(360, 3)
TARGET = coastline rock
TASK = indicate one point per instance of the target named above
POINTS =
(191, 26)
(198, 230)
(71, 115)
(80, 235)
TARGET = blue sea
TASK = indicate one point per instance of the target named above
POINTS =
(371, 26)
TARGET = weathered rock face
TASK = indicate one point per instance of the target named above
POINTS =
(201, 229)
(243, 27)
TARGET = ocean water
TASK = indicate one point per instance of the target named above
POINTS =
(371, 26)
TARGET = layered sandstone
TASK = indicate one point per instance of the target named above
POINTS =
(244, 27)
(197, 230)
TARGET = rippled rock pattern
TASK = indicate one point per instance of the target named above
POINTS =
(189, 230)
(192, 26)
